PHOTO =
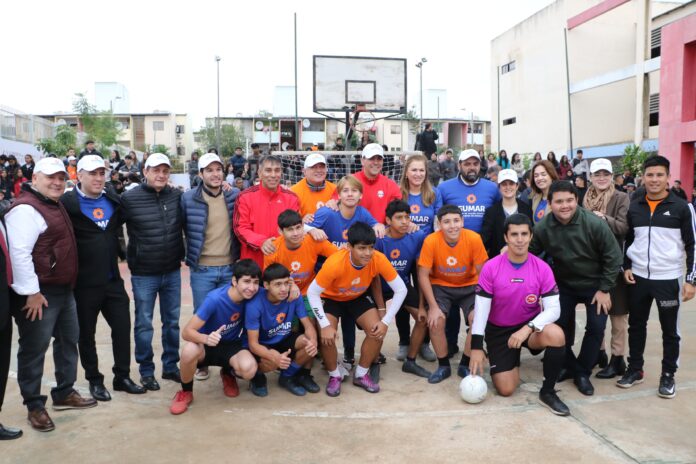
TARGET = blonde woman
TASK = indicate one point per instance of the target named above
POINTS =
(543, 175)
(419, 193)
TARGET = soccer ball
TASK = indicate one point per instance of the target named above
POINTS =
(473, 389)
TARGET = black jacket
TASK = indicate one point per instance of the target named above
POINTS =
(425, 141)
(97, 250)
(493, 222)
(155, 230)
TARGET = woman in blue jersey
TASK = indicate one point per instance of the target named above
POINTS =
(419, 193)
(543, 175)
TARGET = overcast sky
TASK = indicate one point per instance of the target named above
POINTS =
(163, 51)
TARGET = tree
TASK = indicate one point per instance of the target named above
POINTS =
(633, 159)
(158, 148)
(100, 126)
(230, 137)
(65, 138)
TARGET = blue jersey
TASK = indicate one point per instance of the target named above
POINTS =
(472, 200)
(402, 253)
(218, 310)
(424, 216)
(336, 226)
(99, 210)
(273, 321)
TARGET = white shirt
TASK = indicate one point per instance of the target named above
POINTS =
(24, 225)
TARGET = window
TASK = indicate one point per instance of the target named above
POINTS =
(507, 67)
(157, 125)
(655, 42)
(179, 128)
(654, 109)
(395, 129)
(508, 121)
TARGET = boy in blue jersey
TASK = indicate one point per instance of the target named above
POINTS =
(402, 250)
(268, 323)
(214, 335)
(473, 195)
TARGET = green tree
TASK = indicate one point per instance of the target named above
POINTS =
(158, 148)
(65, 138)
(100, 126)
(633, 159)
(230, 137)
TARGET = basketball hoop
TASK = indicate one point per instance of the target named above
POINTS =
(361, 121)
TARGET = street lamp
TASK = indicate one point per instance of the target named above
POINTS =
(419, 65)
(217, 120)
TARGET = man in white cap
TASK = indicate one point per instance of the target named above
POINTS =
(473, 195)
(211, 247)
(97, 217)
(313, 190)
(155, 251)
(44, 267)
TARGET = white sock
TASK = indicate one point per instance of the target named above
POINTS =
(360, 371)
(335, 373)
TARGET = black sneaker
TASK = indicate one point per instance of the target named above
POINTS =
(258, 385)
(667, 388)
(381, 359)
(174, 376)
(291, 385)
(348, 362)
(630, 378)
(554, 403)
(307, 381)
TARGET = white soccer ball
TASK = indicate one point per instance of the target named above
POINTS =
(473, 389)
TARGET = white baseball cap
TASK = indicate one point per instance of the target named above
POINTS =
(507, 174)
(90, 163)
(206, 160)
(313, 159)
(156, 159)
(371, 150)
(49, 166)
(469, 153)
(601, 164)
(71, 158)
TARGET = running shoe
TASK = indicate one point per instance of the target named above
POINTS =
(630, 378)
(667, 387)
(366, 382)
(229, 385)
(333, 388)
(181, 402)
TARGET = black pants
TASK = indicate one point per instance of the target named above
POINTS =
(5, 347)
(594, 329)
(112, 301)
(641, 296)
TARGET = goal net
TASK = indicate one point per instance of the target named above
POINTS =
(340, 164)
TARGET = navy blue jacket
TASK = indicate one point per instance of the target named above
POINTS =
(195, 213)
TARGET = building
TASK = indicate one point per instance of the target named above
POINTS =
(111, 96)
(142, 131)
(583, 74)
(20, 132)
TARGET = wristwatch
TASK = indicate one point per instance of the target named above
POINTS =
(531, 325)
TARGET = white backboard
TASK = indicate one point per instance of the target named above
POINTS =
(341, 82)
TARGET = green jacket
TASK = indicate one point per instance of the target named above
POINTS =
(583, 253)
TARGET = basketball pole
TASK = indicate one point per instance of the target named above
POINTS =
(298, 142)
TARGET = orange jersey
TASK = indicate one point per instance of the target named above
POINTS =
(453, 266)
(341, 281)
(311, 201)
(302, 261)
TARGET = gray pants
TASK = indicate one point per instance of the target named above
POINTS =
(60, 322)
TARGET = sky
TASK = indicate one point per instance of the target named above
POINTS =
(164, 51)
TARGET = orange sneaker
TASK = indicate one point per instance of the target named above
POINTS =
(229, 385)
(181, 401)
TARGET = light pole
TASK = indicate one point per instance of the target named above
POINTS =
(419, 65)
(217, 120)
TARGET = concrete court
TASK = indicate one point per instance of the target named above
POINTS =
(408, 421)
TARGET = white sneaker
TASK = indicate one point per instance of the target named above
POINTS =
(402, 352)
(345, 373)
(201, 374)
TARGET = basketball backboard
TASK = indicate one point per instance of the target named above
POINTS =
(342, 82)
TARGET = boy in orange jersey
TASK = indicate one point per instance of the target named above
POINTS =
(343, 282)
(314, 190)
(448, 269)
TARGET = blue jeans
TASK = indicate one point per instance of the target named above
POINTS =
(594, 329)
(145, 291)
(205, 279)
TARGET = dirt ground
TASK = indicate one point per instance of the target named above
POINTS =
(408, 421)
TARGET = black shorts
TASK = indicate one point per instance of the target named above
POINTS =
(502, 358)
(412, 297)
(288, 343)
(221, 354)
(354, 308)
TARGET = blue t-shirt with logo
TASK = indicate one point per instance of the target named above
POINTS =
(540, 211)
(98, 210)
(424, 216)
(218, 310)
(402, 253)
(273, 321)
(336, 226)
(472, 200)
